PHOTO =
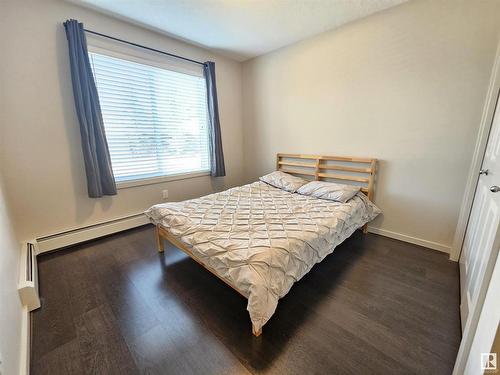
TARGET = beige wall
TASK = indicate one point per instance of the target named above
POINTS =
(10, 305)
(43, 166)
(405, 86)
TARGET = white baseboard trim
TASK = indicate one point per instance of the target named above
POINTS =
(414, 240)
(74, 236)
(24, 360)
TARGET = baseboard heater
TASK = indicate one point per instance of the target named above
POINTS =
(28, 276)
(71, 237)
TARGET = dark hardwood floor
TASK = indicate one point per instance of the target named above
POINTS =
(116, 306)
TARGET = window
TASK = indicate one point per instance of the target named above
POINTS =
(155, 118)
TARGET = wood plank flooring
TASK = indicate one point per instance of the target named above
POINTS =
(116, 306)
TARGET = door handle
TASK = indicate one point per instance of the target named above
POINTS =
(495, 189)
(484, 171)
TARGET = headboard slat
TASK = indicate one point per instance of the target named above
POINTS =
(323, 157)
(297, 164)
(304, 173)
(341, 177)
(347, 169)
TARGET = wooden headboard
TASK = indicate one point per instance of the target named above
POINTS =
(353, 171)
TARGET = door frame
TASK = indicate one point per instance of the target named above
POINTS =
(477, 158)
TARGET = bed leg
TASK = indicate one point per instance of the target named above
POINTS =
(365, 228)
(159, 241)
(256, 332)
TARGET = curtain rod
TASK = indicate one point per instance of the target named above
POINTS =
(144, 47)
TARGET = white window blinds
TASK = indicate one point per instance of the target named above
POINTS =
(155, 119)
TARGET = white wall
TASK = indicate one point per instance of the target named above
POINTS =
(43, 166)
(10, 305)
(406, 86)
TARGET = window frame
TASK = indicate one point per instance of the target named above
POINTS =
(145, 57)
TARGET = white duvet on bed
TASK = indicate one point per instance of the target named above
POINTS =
(262, 239)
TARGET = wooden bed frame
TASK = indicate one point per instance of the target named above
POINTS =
(350, 170)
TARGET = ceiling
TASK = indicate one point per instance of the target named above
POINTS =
(240, 29)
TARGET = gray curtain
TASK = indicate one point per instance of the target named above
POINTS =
(100, 179)
(217, 168)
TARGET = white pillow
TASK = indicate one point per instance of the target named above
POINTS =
(329, 190)
(283, 181)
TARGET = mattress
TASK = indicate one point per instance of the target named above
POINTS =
(262, 239)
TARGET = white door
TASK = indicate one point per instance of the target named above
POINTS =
(480, 244)
(479, 359)
(478, 310)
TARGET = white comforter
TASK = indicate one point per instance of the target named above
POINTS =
(262, 239)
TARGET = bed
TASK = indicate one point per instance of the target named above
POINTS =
(260, 239)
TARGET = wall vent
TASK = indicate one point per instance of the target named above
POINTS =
(28, 276)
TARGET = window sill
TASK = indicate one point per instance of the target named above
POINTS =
(160, 179)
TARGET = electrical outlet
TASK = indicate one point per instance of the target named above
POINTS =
(164, 194)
